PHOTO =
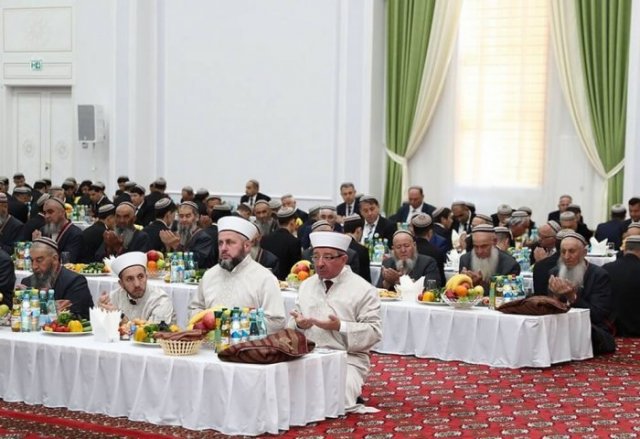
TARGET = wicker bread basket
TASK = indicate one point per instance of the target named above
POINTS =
(179, 348)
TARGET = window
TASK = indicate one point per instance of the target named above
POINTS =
(501, 93)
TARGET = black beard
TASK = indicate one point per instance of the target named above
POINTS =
(43, 281)
(230, 264)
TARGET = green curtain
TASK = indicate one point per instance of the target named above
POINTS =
(604, 38)
(408, 30)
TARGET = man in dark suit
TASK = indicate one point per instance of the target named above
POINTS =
(485, 260)
(353, 226)
(217, 212)
(252, 193)
(442, 222)
(289, 201)
(49, 273)
(563, 202)
(36, 193)
(124, 194)
(7, 278)
(625, 285)
(283, 243)
(415, 206)
(407, 261)
(613, 229)
(350, 203)
(634, 212)
(36, 222)
(19, 206)
(125, 238)
(10, 227)
(67, 236)
(146, 211)
(93, 236)
(83, 192)
(165, 210)
(570, 220)
(462, 217)
(422, 227)
(190, 237)
(584, 285)
(376, 226)
(97, 196)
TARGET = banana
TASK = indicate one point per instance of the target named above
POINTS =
(456, 280)
(199, 316)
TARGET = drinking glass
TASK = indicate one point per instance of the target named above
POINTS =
(431, 285)
(65, 258)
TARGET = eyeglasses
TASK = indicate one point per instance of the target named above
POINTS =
(315, 258)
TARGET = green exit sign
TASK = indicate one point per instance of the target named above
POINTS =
(36, 65)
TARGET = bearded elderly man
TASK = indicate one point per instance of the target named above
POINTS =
(10, 227)
(135, 297)
(125, 238)
(49, 273)
(238, 280)
(67, 236)
(337, 309)
(264, 218)
(584, 285)
(485, 259)
(406, 260)
(190, 237)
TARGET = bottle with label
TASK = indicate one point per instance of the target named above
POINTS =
(25, 312)
(254, 332)
(236, 330)
(27, 259)
(262, 324)
(16, 311)
(217, 333)
(52, 312)
(175, 272)
(35, 310)
(244, 324)
(225, 331)
(44, 311)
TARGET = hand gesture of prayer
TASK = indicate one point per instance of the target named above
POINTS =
(112, 242)
(564, 288)
(105, 302)
(539, 254)
(36, 234)
(332, 324)
(390, 277)
(169, 239)
(63, 305)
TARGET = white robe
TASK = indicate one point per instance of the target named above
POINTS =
(249, 284)
(356, 304)
(155, 306)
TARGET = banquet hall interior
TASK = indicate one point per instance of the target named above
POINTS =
(494, 102)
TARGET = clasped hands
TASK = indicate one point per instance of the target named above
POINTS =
(563, 287)
(112, 242)
(169, 239)
(333, 324)
(390, 276)
(105, 302)
(476, 276)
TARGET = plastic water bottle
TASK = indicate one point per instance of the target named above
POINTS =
(244, 324)
(236, 330)
(52, 312)
(378, 251)
(25, 316)
(254, 331)
(44, 310)
(27, 259)
(35, 311)
(175, 273)
(262, 324)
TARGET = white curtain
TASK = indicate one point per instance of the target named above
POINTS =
(566, 45)
(442, 40)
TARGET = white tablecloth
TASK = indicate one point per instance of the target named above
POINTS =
(480, 335)
(143, 384)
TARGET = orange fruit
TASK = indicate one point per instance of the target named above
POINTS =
(152, 265)
(461, 291)
(428, 296)
(302, 275)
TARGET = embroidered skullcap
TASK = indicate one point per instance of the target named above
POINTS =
(401, 231)
(519, 214)
(42, 199)
(160, 182)
(274, 204)
(618, 208)
(22, 190)
(188, 189)
(57, 201)
(314, 210)
(554, 225)
(574, 235)
(330, 239)
(501, 229)
(421, 220)
(483, 228)
(106, 210)
(504, 209)
(202, 192)
(526, 209)
(459, 203)
(634, 225)
(3, 198)
(259, 202)
(470, 205)
(633, 238)
(128, 204)
(190, 204)
(127, 260)
(97, 186)
(128, 185)
(46, 241)
(369, 199)
(484, 217)
(68, 184)
(238, 225)
(163, 203)
(574, 208)
(213, 197)
(354, 217)
(18, 175)
(438, 212)
(567, 216)
(138, 189)
(328, 207)
(319, 223)
(223, 207)
(286, 212)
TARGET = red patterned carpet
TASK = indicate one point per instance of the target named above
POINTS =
(425, 398)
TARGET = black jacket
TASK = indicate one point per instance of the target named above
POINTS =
(286, 247)
(92, 239)
(73, 287)
(625, 286)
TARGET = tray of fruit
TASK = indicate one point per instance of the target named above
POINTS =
(145, 331)
(388, 295)
(67, 324)
(431, 297)
(300, 271)
(91, 269)
(460, 293)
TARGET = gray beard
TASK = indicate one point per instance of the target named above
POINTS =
(405, 266)
(487, 266)
(185, 234)
(43, 281)
(51, 229)
(575, 275)
(126, 235)
(265, 227)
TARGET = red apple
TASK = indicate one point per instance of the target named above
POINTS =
(152, 255)
(209, 321)
(200, 325)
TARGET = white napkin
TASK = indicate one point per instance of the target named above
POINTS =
(455, 239)
(598, 248)
(107, 262)
(408, 288)
(453, 259)
(105, 324)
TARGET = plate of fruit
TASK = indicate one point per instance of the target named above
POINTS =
(460, 293)
(67, 324)
(91, 269)
(300, 271)
(388, 295)
(145, 332)
(431, 297)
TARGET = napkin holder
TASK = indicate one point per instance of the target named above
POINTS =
(105, 324)
(598, 248)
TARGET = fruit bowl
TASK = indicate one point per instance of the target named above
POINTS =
(460, 299)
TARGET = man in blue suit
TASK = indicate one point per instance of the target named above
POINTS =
(613, 229)
(415, 206)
